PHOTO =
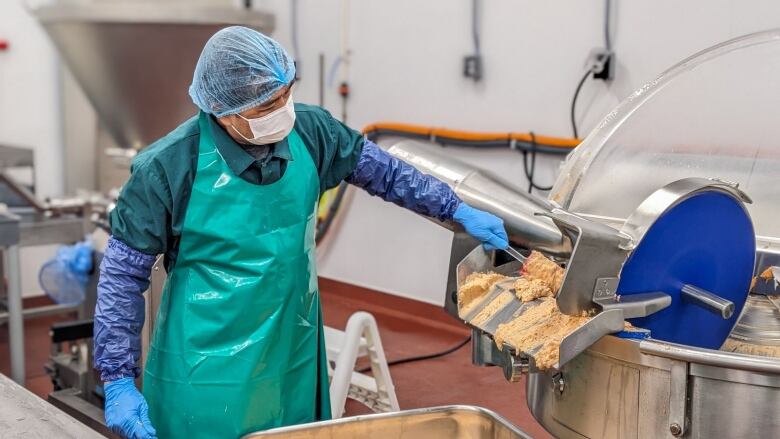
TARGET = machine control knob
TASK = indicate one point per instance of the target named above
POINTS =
(514, 368)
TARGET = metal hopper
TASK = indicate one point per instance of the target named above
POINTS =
(134, 59)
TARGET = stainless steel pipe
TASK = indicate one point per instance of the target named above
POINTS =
(484, 190)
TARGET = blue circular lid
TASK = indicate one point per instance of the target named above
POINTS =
(706, 240)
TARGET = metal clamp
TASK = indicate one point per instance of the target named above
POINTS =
(597, 254)
(678, 399)
(637, 305)
(484, 352)
(606, 288)
(559, 384)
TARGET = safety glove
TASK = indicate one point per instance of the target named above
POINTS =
(484, 226)
(127, 413)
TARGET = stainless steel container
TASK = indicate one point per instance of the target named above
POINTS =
(448, 422)
(628, 389)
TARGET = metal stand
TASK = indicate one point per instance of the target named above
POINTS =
(15, 317)
(17, 232)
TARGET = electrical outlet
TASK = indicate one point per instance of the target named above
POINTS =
(602, 63)
(472, 67)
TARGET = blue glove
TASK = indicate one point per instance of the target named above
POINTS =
(127, 413)
(484, 226)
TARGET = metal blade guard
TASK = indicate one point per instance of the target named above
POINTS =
(680, 266)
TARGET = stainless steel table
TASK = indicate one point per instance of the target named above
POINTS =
(24, 415)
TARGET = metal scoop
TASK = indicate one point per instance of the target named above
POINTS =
(515, 254)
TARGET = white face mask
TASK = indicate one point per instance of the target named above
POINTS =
(272, 127)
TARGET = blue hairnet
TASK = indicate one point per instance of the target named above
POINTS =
(239, 68)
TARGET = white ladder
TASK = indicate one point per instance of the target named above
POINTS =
(359, 339)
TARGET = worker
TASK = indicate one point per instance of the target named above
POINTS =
(229, 198)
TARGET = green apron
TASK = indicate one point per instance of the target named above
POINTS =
(238, 344)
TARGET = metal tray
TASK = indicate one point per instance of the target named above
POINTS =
(605, 322)
(447, 422)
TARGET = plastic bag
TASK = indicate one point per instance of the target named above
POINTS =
(64, 278)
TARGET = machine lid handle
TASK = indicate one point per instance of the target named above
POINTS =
(707, 300)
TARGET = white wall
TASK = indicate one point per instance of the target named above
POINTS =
(30, 96)
(30, 113)
(406, 67)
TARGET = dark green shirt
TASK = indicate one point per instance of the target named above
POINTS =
(150, 211)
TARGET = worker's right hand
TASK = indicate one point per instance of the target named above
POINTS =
(127, 413)
(484, 226)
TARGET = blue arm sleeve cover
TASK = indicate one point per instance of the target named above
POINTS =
(393, 180)
(119, 314)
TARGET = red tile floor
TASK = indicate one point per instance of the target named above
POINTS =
(407, 328)
(36, 346)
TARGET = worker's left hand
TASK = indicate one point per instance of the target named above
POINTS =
(484, 226)
(127, 413)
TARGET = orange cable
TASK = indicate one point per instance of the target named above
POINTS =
(433, 132)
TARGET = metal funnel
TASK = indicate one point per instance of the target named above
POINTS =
(134, 60)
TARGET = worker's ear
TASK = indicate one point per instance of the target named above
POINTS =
(227, 121)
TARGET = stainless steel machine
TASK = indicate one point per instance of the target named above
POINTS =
(134, 61)
(134, 58)
(27, 221)
(630, 218)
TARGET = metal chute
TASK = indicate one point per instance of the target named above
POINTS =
(134, 59)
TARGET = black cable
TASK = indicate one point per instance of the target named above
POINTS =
(608, 47)
(446, 141)
(574, 103)
(475, 26)
(422, 357)
(529, 174)
(531, 171)
(533, 167)
(607, 33)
